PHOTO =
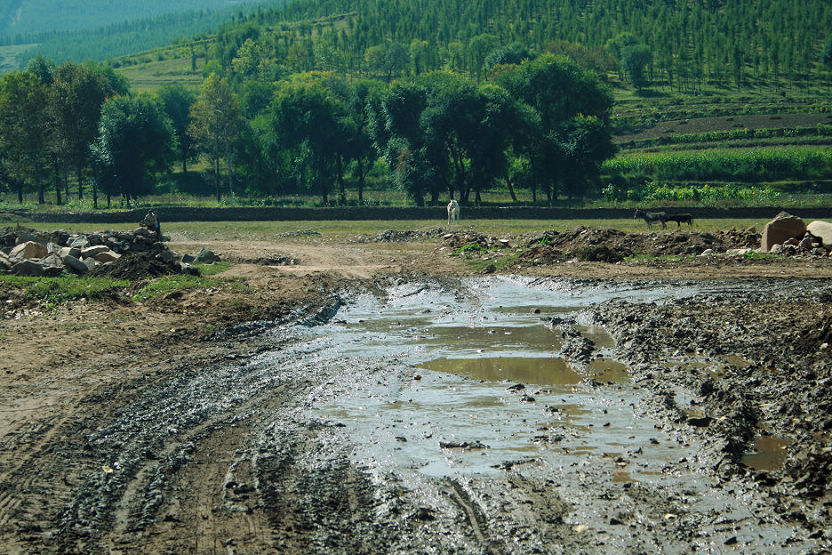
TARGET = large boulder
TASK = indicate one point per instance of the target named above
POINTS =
(91, 252)
(204, 256)
(107, 256)
(5, 263)
(75, 265)
(783, 227)
(822, 230)
(78, 241)
(29, 249)
(70, 251)
(28, 268)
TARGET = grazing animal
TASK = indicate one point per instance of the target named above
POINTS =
(453, 211)
(679, 219)
(651, 217)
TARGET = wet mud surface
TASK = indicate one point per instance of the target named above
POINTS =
(485, 415)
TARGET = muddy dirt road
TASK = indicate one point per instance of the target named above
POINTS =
(380, 397)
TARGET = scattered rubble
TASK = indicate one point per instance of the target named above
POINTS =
(395, 236)
(122, 254)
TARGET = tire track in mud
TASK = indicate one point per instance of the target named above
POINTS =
(475, 517)
(156, 437)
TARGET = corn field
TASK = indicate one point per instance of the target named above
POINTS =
(736, 165)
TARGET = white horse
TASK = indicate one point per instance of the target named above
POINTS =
(453, 211)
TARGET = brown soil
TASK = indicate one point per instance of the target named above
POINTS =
(67, 372)
(726, 123)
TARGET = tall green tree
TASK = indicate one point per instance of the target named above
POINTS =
(177, 102)
(559, 91)
(306, 118)
(135, 142)
(634, 59)
(216, 122)
(24, 132)
(75, 100)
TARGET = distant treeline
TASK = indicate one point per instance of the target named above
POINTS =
(129, 33)
(542, 126)
(31, 17)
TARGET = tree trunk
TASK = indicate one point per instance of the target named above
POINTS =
(217, 177)
(360, 168)
(41, 193)
(57, 188)
(511, 189)
(95, 195)
(80, 182)
(230, 160)
(342, 193)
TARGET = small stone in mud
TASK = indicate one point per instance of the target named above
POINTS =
(536, 311)
(527, 399)
(401, 439)
(731, 541)
(703, 422)
(417, 377)
(424, 513)
(516, 387)
(462, 445)
(615, 522)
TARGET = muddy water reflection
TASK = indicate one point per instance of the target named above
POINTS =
(541, 371)
(768, 453)
(469, 346)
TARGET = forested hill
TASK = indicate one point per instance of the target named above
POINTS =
(688, 41)
(29, 17)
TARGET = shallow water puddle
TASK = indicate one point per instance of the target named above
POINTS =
(767, 453)
(540, 371)
(489, 386)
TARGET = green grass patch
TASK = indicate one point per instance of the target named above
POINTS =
(63, 289)
(498, 263)
(640, 257)
(184, 282)
(470, 249)
(212, 269)
(754, 255)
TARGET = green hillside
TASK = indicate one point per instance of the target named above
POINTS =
(29, 17)
(510, 100)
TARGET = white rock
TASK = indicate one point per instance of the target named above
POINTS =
(821, 229)
(708, 252)
(90, 252)
(70, 251)
(739, 252)
(29, 249)
(107, 256)
(783, 227)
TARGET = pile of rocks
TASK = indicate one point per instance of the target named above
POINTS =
(788, 234)
(28, 252)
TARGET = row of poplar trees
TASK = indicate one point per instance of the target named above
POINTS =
(541, 124)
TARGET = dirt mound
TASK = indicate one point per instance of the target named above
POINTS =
(612, 245)
(141, 265)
